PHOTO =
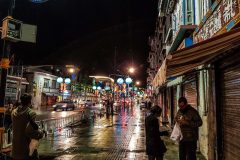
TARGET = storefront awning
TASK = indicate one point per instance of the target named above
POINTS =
(187, 59)
(160, 77)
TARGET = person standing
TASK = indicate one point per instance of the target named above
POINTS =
(24, 129)
(189, 120)
(155, 146)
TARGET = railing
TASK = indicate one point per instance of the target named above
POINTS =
(50, 126)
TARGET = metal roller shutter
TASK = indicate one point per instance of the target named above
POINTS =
(190, 92)
(230, 79)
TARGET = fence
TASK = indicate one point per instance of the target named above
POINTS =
(50, 126)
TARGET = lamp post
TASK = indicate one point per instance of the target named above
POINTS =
(62, 81)
(129, 81)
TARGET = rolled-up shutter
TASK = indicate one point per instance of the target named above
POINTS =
(230, 83)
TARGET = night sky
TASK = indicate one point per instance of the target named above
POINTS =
(86, 33)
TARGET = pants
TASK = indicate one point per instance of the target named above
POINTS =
(150, 157)
(187, 150)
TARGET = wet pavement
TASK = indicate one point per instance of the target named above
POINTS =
(121, 136)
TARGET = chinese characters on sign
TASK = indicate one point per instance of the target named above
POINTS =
(222, 15)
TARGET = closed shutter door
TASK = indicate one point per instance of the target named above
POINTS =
(190, 92)
(230, 79)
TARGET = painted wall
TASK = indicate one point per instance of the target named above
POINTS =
(177, 18)
(202, 109)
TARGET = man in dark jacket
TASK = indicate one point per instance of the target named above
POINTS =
(23, 116)
(189, 120)
(154, 145)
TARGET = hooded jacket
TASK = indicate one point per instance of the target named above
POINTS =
(22, 131)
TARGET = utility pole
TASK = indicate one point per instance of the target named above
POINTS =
(4, 69)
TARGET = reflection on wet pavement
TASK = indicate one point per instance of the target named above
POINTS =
(121, 136)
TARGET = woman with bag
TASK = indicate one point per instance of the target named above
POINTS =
(24, 129)
(155, 146)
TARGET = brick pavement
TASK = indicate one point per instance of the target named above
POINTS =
(121, 137)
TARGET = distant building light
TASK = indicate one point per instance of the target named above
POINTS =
(107, 88)
(38, 1)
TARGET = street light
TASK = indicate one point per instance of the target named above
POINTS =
(62, 81)
(138, 83)
(131, 70)
(71, 70)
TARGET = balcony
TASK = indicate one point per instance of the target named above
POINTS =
(50, 90)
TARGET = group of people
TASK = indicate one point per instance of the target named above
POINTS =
(26, 132)
(189, 121)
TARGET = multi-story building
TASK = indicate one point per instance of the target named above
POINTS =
(201, 62)
(43, 87)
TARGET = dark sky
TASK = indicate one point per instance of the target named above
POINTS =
(86, 33)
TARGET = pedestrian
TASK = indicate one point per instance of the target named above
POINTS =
(111, 107)
(155, 146)
(189, 120)
(149, 104)
(24, 129)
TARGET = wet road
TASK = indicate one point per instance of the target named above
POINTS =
(111, 137)
(121, 136)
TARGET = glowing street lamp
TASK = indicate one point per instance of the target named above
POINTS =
(128, 80)
(71, 70)
(131, 70)
(138, 83)
(120, 81)
(59, 79)
(67, 81)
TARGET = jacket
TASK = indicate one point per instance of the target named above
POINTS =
(189, 130)
(154, 143)
(22, 132)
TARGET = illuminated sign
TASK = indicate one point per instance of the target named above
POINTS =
(38, 1)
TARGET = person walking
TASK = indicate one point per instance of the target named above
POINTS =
(155, 146)
(189, 120)
(24, 129)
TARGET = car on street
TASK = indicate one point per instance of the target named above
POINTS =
(64, 105)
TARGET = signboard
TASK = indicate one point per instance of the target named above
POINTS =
(38, 1)
(221, 16)
(11, 29)
(29, 33)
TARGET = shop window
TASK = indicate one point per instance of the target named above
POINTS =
(189, 12)
(54, 84)
(46, 83)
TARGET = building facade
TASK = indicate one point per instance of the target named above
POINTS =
(44, 88)
(201, 63)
